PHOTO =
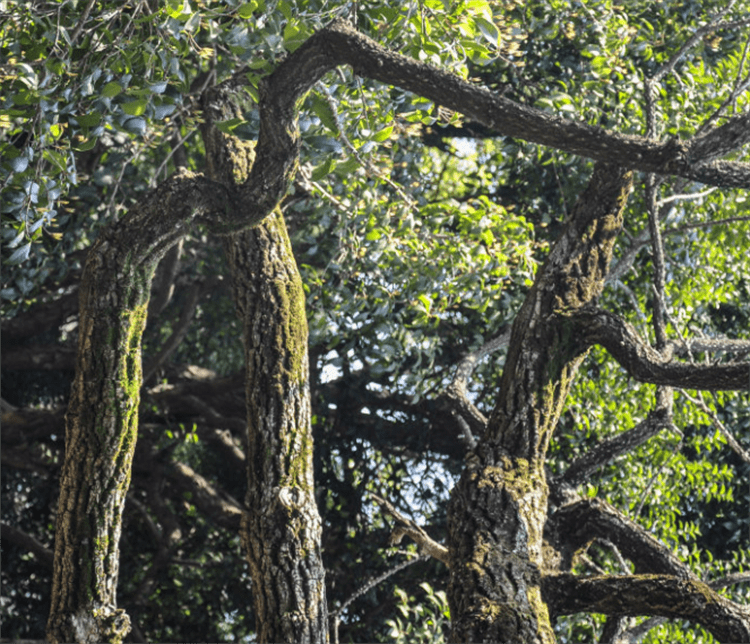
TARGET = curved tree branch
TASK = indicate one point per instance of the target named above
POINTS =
(578, 523)
(407, 527)
(341, 44)
(663, 595)
(644, 363)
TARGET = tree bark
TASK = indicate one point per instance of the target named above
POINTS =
(663, 595)
(498, 509)
(102, 417)
(281, 530)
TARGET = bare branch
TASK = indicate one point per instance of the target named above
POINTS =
(731, 440)
(340, 44)
(409, 528)
(607, 450)
(712, 26)
(706, 224)
(336, 615)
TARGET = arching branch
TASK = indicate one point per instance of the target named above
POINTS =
(644, 363)
(663, 595)
(341, 44)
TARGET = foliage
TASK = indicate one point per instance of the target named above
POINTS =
(417, 236)
(425, 621)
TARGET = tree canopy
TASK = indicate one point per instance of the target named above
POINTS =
(522, 233)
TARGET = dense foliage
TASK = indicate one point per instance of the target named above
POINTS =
(417, 234)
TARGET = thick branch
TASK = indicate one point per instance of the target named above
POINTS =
(102, 417)
(643, 363)
(663, 595)
(578, 523)
(340, 44)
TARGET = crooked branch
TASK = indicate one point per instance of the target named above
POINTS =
(341, 44)
(407, 527)
(645, 364)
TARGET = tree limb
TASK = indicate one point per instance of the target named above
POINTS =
(645, 364)
(663, 595)
(607, 450)
(576, 524)
(407, 527)
(340, 44)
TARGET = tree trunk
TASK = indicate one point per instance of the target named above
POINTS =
(281, 531)
(498, 510)
(102, 418)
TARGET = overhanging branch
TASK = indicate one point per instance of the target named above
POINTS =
(341, 44)
(644, 363)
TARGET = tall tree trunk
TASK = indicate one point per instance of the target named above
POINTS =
(281, 531)
(498, 509)
(102, 419)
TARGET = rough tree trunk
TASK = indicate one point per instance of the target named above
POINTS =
(498, 510)
(282, 529)
(102, 419)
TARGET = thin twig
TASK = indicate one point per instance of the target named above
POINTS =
(336, 615)
(731, 440)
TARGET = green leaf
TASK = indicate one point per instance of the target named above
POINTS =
(20, 255)
(323, 111)
(246, 10)
(137, 125)
(135, 108)
(92, 119)
(19, 164)
(111, 89)
(383, 134)
(57, 159)
(229, 125)
(489, 31)
(323, 169)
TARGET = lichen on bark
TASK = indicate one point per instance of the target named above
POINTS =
(498, 509)
(281, 529)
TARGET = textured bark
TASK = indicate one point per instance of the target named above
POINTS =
(579, 523)
(281, 530)
(102, 417)
(498, 509)
(662, 595)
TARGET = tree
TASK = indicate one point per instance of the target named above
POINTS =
(518, 527)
